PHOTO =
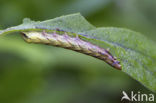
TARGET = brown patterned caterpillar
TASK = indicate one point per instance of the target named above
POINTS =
(73, 43)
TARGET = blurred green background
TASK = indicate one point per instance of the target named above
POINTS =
(31, 73)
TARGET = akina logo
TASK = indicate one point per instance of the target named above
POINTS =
(137, 97)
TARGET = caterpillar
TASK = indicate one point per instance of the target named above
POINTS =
(72, 43)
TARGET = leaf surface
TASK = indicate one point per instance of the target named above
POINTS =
(135, 52)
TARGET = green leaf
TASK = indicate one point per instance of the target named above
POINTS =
(135, 52)
(70, 23)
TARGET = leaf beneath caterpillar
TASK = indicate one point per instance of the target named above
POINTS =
(135, 52)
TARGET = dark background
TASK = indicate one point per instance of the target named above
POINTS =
(31, 73)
